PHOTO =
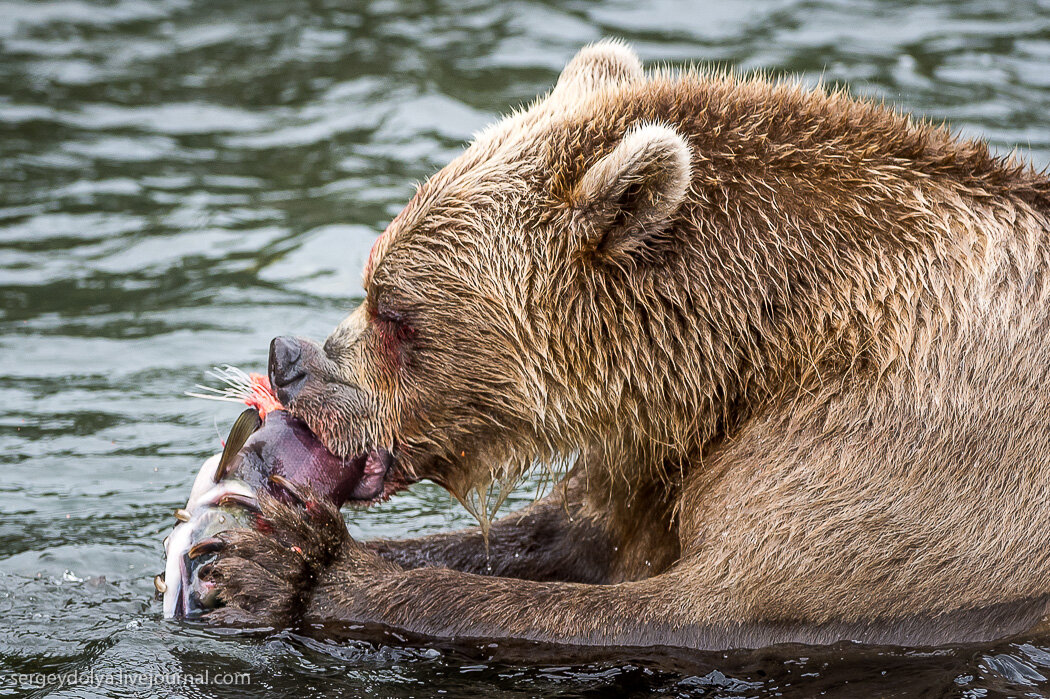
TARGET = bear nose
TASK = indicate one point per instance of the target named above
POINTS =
(287, 373)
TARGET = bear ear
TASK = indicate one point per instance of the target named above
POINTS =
(627, 199)
(606, 62)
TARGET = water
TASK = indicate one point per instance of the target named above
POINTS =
(182, 180)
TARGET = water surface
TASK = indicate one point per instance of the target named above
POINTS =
(181, 180)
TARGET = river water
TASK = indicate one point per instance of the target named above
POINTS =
(181, 180)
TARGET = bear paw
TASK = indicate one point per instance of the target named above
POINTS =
(264, 576)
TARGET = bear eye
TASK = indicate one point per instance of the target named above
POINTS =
(393, 323)
(390, 317)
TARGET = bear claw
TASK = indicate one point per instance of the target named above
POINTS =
(209, 545)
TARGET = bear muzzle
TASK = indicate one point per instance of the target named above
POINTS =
(289, 366)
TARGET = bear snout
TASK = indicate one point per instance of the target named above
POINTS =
(288, 373)
(312, 386)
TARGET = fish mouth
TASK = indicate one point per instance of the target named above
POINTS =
(210, 509)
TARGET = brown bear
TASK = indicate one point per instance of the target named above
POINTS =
(793, 349)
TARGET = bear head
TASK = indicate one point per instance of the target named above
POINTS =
(512, 311)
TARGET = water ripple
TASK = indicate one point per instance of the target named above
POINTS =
(182, 180)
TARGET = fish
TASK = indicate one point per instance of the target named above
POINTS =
(268, 449)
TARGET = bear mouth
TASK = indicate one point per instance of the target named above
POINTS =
(267, 440)
(283, 445)
(381, 477)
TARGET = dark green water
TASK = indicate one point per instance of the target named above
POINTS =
(182, 180)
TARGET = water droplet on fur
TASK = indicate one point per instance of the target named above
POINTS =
(648, 563)
(616, 548)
